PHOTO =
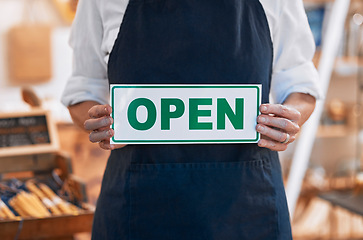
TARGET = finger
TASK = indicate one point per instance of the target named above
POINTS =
(98, 136)
(273, 145)
(115, 146)
(105, 144)
(98, 111)
(98, 123)
(292, 139)
(281, 111)
(282, 123)
(274, 134)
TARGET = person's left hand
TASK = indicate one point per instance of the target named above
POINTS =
(278, 125)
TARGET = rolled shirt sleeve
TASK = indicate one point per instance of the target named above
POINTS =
(89, 77)
(294, 48)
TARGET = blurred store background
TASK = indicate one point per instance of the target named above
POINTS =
(40, 145)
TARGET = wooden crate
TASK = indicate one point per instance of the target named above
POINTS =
(56, 227)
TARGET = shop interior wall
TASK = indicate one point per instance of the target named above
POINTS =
(11, 14)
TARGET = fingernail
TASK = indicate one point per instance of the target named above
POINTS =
(263, 108)
(260, 128)
(261, 143)
(111, 120)
(109, 132)
(262, 119)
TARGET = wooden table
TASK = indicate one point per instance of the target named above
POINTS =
(345, 199)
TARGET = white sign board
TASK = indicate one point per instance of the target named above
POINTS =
(155, 114)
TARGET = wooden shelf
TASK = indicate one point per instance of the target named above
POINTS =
(352, 61)
(334, 131)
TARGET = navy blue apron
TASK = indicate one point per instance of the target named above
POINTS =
(195, 191)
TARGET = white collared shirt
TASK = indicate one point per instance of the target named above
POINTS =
(97, 24)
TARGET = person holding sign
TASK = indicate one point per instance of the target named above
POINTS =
(193, 191)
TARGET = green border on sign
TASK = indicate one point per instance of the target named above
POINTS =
(186, 86)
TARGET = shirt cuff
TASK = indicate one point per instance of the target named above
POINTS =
(80, 89)
(303, 79)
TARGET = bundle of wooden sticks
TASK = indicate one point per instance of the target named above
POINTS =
(5, 212)
(39, 202)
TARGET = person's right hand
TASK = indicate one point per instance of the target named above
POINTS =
(99, 126)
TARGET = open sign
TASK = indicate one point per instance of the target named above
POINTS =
(185, 113)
